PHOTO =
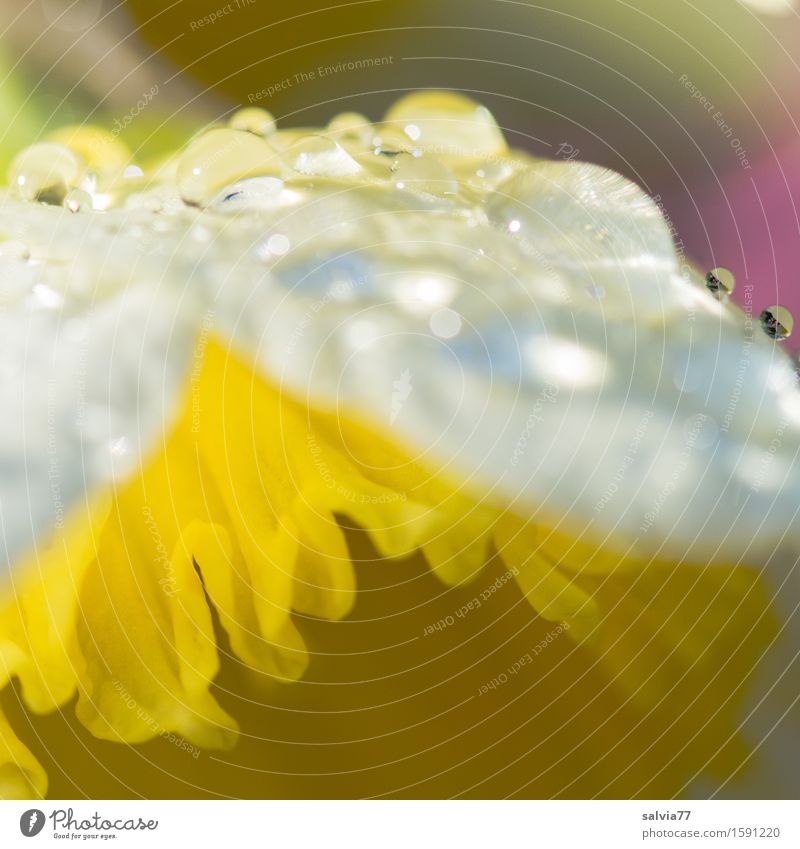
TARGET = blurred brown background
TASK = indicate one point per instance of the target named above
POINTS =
(601, 75)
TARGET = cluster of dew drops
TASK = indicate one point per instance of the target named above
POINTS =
(87, 168)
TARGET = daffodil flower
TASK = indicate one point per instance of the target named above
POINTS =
(212, 366)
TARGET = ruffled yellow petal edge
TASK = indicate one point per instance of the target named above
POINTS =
(243, 511)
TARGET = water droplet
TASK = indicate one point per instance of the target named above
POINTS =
(133, 172)
(352, 127)
(45, 172)
(422, 174)
(777, 322)
(488, 175)
(390, 141)
(253, 119)
(720, 282)
(448, 123)
(255, 193)
(323, 157)
(77, 200)
(220, 157)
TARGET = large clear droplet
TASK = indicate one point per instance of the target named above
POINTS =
(44, 172)
(720, 282)
(447, 124)
(323, 157)
(253, 119)
(220, 157)
(777, 322)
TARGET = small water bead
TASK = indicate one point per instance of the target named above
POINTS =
(77, 200)
(720, 282)
(220, 157)
(321, 156)
(488, 175)
(254, 193)
(352, 127)
(447, 123)
(423, 174)
(253, 119)
(777, 322)
(45, 172)
(388, 140)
